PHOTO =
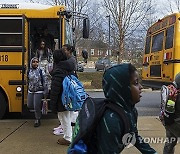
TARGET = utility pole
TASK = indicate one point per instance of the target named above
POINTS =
(109, 35)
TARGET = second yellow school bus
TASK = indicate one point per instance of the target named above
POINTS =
(19, 27)
(161, 60)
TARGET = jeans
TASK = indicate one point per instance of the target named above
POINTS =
(34, 101)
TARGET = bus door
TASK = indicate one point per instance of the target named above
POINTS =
(168, 62)
(65, 30)
(12, 61)
(156, 56)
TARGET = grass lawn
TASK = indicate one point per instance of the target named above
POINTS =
(91, 80)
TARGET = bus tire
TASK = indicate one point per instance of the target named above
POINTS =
(3, 105)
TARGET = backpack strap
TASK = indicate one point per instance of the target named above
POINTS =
(122, 115)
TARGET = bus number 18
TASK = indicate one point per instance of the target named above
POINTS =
(4, 58)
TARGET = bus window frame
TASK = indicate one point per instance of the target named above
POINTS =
(8, 31)
(171, 36)
(147, 50)
(157, 34)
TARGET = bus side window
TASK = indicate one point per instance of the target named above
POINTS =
(169, 37)
(148, 43)
(157, 42)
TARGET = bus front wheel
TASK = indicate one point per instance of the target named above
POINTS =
(3, 105)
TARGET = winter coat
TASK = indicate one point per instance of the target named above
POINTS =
(109, 132)
(37, 81)
(62, 69)
(44, 54)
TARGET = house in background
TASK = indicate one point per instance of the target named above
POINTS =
(94, 48)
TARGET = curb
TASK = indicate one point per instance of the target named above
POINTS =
(101, 90)
(94, 90)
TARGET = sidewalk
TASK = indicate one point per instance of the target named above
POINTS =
(20, 137)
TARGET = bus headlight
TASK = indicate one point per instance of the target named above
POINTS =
(18, 89)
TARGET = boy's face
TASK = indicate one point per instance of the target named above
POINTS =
(136, 88)
(35, 63)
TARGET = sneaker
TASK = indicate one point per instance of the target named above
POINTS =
(62, 141)
(58, 132)
(37, 123)
(57, 128)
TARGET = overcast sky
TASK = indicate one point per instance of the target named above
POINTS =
(160, 4)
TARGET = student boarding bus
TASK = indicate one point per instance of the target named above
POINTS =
(161, 60)
(19, 26)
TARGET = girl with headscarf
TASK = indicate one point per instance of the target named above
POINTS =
(37, 89)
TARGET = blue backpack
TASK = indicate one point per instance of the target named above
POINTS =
(73, 95)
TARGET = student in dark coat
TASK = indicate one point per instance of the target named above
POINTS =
(71, 61)
(61, 69)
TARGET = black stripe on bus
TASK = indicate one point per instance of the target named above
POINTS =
(171, 61)
(154, 84)
(18, 49)
(145, 64)
(16, 82)
(11, 67)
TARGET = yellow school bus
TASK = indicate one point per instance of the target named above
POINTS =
(161, 60)
(18, 28)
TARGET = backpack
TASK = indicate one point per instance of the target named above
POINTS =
(73, 95)
(168, 101)
(87, 121)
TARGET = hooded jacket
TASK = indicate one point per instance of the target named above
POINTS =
(36, 82)
(62, 69)
(109, 132)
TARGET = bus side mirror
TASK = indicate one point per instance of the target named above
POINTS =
(86, 26)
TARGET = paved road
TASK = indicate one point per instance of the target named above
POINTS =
(148, 106)
(89, 70)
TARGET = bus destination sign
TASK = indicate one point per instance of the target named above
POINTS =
(9, 6)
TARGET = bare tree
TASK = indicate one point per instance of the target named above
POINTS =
(127, 16)
(172, 7)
